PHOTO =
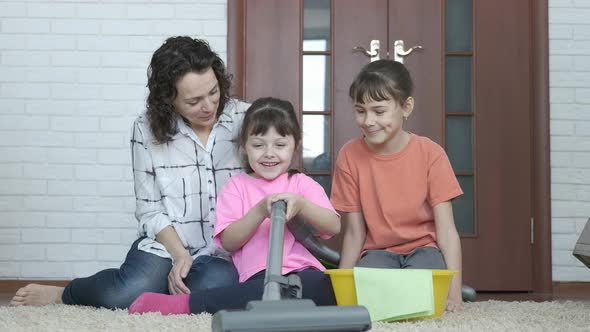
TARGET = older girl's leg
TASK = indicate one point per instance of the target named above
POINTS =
(424, 258)
(380, 259)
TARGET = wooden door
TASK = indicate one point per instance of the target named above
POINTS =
(475, 101)
(496, 239)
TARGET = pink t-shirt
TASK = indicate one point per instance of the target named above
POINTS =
(240, 194)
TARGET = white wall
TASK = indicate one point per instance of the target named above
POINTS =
(569, 57)
(72, 80)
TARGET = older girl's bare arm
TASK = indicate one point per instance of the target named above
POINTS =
(450, 245)
(355, 233)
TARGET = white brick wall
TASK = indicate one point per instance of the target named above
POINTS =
(72, 80)
(569, 63)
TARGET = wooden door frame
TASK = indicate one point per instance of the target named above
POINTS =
(541, 168)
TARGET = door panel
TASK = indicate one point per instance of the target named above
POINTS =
(273, 49)
(356, 23)
(420, 22)
(502, 98)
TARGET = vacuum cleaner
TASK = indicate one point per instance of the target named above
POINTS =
(278, 311)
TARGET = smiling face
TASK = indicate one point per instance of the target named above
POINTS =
(197, 99)
(270, 154)
(381, 123)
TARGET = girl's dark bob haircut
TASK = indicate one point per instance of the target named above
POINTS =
(382, 80)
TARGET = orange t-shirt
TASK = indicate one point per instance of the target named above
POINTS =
(395, 192)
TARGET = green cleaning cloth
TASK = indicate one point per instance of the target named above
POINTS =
(394, 294)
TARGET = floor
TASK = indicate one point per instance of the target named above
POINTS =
(562, 291)
(579, 293)
(535, 297)
(5, 299)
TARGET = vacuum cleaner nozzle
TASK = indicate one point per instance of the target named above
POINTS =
(291, 315)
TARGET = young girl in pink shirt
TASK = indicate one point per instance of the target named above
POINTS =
(270, 136)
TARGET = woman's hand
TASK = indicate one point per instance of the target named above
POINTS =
(295, 203)
(454, 305)
(180, 267)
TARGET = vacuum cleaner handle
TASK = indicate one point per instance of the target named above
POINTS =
(274, 262)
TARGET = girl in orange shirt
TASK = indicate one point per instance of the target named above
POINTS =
(394, 188)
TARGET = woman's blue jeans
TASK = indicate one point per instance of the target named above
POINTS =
(144, 272)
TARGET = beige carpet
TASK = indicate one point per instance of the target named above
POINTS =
(478, 316)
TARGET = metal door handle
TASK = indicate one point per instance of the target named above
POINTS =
(399, 53)
(373, 53)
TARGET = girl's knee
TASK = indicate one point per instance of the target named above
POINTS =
(425, 258)
(379, 259)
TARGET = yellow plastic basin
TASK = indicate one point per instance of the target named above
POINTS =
(345, 291)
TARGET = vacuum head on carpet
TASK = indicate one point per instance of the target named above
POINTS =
(291, 315)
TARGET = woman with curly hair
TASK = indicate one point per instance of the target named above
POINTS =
(183, 152)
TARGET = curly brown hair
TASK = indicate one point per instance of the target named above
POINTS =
(174, 59)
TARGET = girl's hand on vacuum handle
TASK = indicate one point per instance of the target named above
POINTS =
(295, 203)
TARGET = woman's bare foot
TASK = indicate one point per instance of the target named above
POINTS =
(34, 294)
